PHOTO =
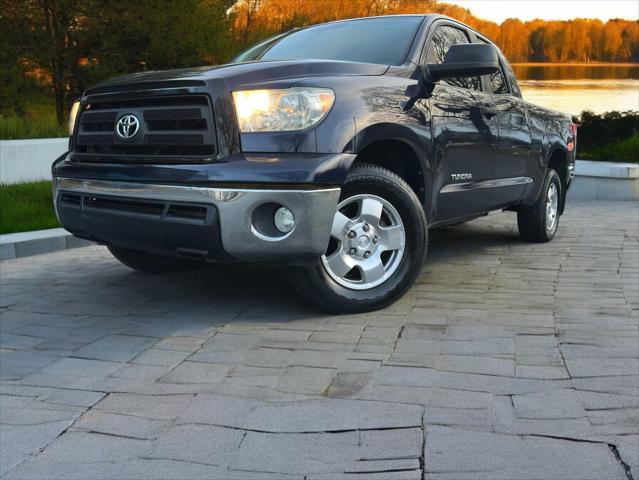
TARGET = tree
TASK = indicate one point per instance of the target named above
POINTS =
(14, 79)
(68, 45)
(141, 35)
(514, 39)
(74, 43)
(47, 36)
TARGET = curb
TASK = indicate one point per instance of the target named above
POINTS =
(26, 244)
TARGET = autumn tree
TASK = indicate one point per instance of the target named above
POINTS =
(68, 45)
(580, 40)
(514, 38)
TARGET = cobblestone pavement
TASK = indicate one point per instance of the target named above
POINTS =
(506, 360)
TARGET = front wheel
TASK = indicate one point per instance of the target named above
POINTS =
(539, 222)
(377, 245)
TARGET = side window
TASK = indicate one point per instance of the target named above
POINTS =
(511, 78)
(497, 83)
(497, 80)
(443, 38)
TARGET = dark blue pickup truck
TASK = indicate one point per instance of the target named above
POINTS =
(331, 149)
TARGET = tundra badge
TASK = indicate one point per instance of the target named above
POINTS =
(458, 177)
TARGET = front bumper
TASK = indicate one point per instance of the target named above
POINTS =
(197, 222)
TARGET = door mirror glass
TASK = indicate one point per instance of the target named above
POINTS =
(465, 60)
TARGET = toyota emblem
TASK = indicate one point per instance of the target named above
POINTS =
(127, 126)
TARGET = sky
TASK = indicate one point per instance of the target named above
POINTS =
(500, 10)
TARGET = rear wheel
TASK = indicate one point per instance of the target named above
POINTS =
(377, 246)
(539, 222)
(148, 262)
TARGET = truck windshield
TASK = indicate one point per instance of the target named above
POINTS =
(385, 41)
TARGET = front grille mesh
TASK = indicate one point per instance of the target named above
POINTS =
(98, 117)
(173, 114)
(148, 208)
(193, 213)
(187, 211)
(176, 128)
(70, 199)
(173, 139)
(95, 140)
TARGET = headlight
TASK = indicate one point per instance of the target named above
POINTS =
(72, 116)
(283, 109)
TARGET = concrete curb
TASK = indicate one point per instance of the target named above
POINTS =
(591, 168)
(605, 181)
(25, 244)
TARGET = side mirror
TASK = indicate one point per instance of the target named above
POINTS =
(466, 60)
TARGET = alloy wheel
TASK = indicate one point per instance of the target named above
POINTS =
(552, 204)
(367, 242)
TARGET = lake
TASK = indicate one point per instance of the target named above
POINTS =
(573, 88)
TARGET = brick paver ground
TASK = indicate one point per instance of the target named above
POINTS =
(506, 360)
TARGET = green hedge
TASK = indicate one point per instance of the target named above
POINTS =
(611, 136)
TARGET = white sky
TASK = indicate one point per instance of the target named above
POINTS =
(500, 10)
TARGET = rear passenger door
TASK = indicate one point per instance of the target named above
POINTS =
(464, 134)
(513, 148)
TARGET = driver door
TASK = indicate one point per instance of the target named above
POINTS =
(465, 135)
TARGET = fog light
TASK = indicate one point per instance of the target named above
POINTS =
(284, 220)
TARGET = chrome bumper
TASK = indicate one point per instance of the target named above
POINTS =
(236, 209)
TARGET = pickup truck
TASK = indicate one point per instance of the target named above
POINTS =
(331, 149)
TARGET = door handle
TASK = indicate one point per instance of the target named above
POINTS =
(488, 111)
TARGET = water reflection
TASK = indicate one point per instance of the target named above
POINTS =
(574, 96)
(573, 88)
(575, 71)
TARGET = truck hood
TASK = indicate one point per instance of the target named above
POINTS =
(248, 73)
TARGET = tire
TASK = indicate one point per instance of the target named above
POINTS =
(539, 222)
(148, 263)
(396, 239)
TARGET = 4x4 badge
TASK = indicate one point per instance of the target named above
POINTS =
(127, 126)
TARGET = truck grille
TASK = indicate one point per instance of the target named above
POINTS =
(176, 129)
(190, 212)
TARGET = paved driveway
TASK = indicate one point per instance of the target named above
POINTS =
(506, 360)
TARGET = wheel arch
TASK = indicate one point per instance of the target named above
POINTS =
(398, 149)
(558, 160)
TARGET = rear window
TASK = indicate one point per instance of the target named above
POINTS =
(384, 41)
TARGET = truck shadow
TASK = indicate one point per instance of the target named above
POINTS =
(264, 292)
(89, 282)
(467, 239)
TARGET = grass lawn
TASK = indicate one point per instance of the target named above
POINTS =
(25, 207)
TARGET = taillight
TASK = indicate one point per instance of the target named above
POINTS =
(572, 140)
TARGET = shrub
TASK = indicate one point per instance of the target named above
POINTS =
(612, 136)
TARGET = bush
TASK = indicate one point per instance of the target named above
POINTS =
(612, 136)
(38, 121)
(621, 151)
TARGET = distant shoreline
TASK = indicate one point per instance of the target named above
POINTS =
(580, 64)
